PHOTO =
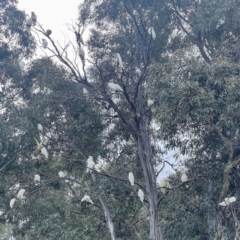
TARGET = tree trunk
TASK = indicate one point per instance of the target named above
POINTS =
(145, 155)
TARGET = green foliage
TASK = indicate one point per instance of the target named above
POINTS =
(191, 72)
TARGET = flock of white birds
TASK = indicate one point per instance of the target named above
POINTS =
(32, 21)
(164, 182)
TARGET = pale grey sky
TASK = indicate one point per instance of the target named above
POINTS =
(53, 14)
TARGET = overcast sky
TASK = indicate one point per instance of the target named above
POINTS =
(53, 14)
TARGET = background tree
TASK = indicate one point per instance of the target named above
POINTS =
(175, 64)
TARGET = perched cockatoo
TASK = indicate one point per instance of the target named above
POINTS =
(41, 149)
(141, 195)
(21, 64)
(37, 179)
(227, 201)
(119, 60)
(163, 184)
(90, 164)
(82, 55)
(29, 23)
(138, 72)
(184, 177)
(40, 127)
(12, 202)
(98, 167)
(44, 43)
(86, 198)
(34, 18)
(131, 178)
(152, 33)
(150, 102)
(48, 32)
(62, 174)
(20, 193)
(44, 152)
(105, 166)
(86, 93)
(232, 199)
(115, 87)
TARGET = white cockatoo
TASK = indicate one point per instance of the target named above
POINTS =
(232, 199)
(62, 174)
(119, 60)
(131, 178)
(82, 55)
(48, 32)
(141, 195)
(44, 43)
(184, 177)
(105, 166)
(138, 72)
(129, 142)
(90, 164)
(44, 152)
(86, 93)
(98, 167)
(41, 149)
(150, 102)
(12, 201)
(34, 18)
(40, 127)
(20, 193)
(164, 184)
(227, 201)
(37, 179)
(152, 33)
(115, 87)
(29, 23)
(86, 198)
(21, 64)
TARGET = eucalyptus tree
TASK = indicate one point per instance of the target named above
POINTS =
(174, 62)
(198, 103)
(125, 37)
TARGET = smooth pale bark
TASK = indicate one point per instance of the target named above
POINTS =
(146, 158)
(106, 213)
